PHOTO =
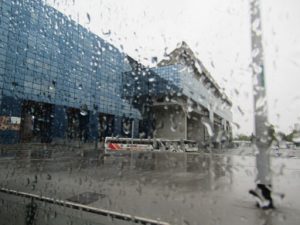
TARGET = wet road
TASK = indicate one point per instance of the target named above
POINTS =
(180, 188)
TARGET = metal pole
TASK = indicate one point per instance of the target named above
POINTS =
(84, 208)
(132, 131)
(131, 152)
(262, 144)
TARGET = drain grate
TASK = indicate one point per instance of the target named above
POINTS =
(86, 198)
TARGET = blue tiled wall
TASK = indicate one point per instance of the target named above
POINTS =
(46, 57)
(52, 59)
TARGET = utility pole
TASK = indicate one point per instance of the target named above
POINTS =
(263, 190)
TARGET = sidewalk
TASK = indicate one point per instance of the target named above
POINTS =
(46, 150)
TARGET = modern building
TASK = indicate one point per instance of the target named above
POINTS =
(183, 99)
(59, 81)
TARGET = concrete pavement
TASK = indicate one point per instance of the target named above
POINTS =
(178, 188)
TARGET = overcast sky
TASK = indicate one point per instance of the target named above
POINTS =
(219, 33)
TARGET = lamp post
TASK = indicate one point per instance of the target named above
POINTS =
(261, 144)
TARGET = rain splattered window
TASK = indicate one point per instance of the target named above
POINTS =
(149, 112)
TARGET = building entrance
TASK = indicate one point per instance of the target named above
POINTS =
(78, 124)
(106, 126)
(36, 122)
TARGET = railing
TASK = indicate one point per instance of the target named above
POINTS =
(84, 208)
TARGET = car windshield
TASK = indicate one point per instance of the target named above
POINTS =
(149, 112)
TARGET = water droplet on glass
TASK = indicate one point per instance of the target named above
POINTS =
(88, 17)
(173, 126)
(241, 111)
(106, 32)
(151, 79)
(84, 110)
(154, 60)
(261, 103)
(257, 69)
(255, 52)
(208, 127)
(51, 87)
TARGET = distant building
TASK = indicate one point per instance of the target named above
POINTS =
(59, 81)
(183, 99)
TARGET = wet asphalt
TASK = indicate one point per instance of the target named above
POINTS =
(179, 188)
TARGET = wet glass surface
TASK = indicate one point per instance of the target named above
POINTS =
(149, 112)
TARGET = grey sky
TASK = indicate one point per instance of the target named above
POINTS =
(219, 32)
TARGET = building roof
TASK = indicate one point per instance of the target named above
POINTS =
(184, 55)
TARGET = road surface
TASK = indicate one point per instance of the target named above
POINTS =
(179, 188)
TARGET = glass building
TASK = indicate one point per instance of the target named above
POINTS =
(60, 81)
(57, 78)
(179, 99)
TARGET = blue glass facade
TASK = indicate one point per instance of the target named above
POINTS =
(142, 81)
(59, 80)
(171, 73)
(196, 89)
(45, 57)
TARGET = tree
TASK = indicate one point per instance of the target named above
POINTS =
(290, 136)
(243, 137)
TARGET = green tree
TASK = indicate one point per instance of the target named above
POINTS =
(243, 137)
(290, 136)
